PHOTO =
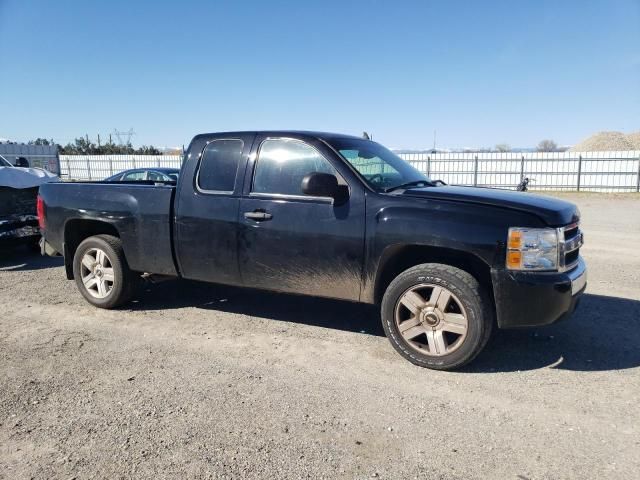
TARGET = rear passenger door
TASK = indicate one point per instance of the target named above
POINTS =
(208, 199)
(292, 242)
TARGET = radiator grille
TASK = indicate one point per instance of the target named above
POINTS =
(570, 240)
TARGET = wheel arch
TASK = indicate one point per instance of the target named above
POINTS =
(76, 231)
(398, 258)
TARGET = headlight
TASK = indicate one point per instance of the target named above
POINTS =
(533, 249)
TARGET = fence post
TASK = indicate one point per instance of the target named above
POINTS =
(89, 168)
(522, 168)
(579, 170)
(638, 177)
(475, 171)
(110, 166)
(68, 168)
(133, 159)
(158, 161)
(429, 166)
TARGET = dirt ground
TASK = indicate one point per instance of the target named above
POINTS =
(199, 381)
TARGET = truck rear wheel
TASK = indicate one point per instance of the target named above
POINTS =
(436, 316)
(101, 272)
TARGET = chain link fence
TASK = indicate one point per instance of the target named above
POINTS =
(568, 171)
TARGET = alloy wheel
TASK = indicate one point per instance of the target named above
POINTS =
(431, 319)
(97, 273)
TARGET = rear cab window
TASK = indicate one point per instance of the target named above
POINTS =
(219, 164)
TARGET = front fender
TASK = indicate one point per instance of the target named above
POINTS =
(459, 229)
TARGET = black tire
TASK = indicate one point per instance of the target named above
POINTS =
(125, 281)
(476, 304)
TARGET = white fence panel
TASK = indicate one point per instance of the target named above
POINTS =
(581, 171)
(99, 167)
(571, 171)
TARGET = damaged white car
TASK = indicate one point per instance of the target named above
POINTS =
(18, 198)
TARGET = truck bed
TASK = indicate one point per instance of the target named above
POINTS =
(139, 212)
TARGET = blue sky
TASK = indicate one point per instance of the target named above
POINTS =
(479, 73)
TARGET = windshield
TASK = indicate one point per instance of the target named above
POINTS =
(4, 162)
(381, 168)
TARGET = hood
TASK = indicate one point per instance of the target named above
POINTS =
(552, 211)
(16, 177)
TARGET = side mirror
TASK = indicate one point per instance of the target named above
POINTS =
(324, 185)
(22, 162)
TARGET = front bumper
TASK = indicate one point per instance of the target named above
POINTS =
(530, 299)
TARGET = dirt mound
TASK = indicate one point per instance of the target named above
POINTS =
(608, 141)
(634, 138)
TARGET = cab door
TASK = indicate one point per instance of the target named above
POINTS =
(208, 200)
(292, 242)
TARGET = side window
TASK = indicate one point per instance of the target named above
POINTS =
(219, 165)
(282, 164)
(156, 176)
(135, 176)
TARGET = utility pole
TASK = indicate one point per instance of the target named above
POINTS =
(98, 140)
(121, 135)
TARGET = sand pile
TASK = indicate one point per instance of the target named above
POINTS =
(608, 141)
(635, 139)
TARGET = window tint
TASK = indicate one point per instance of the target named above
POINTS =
(135, 176)
(375, 170)
(283, 163)
(381, 168)
(219, 165)
(156, 176)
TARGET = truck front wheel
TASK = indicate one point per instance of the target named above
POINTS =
(101, 272)
(436, 316)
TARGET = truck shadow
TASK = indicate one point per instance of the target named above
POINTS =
(21, 258)
(318, 312)
(603, 334)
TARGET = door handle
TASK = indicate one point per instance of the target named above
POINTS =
(258, 216)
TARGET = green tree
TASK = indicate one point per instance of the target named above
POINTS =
(85, 146)
(41, 141)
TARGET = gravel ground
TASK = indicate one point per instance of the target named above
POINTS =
(199, 381)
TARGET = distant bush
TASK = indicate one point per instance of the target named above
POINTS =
(547, 146)
(84, 146)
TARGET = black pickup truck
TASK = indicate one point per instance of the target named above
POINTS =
(333, 216)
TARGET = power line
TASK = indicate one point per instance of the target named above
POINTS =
(120, 135)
